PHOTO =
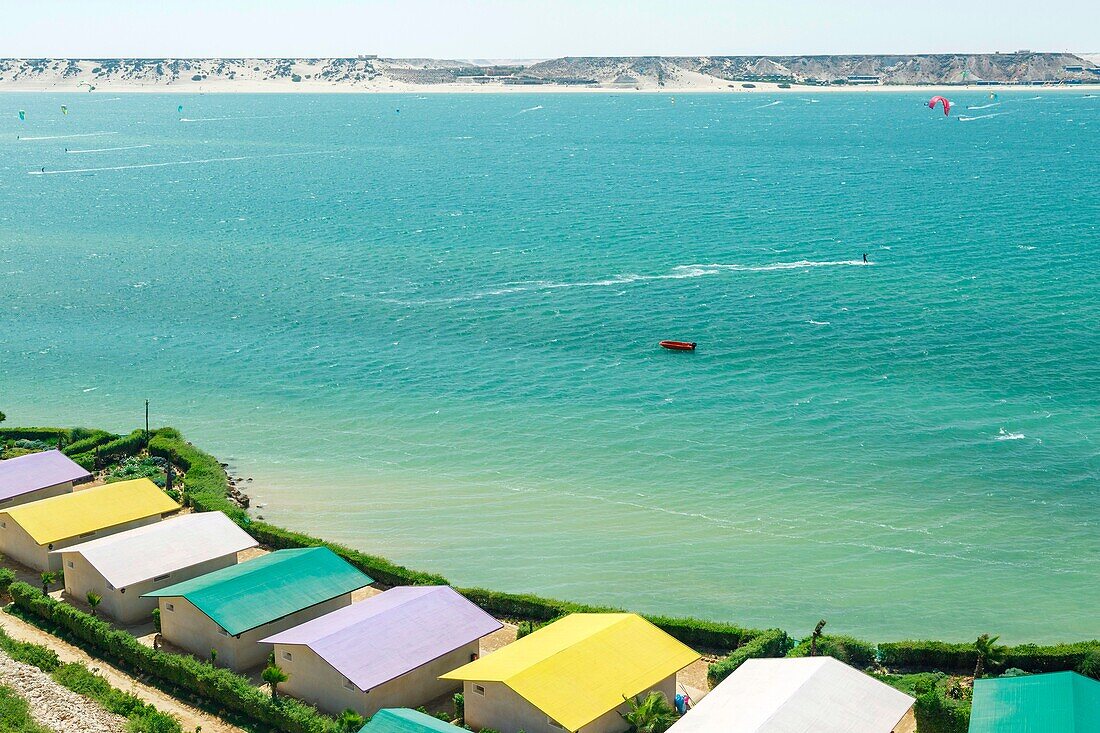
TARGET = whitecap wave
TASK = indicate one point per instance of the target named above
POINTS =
(530, 109)
(1006, 435)
(769, 104)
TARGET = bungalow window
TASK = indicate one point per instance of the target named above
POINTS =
(223, 632)
(479, 689)
(348, 685)
(473, 657)
(288, 656)
(69, 563)
(159, 578)
(554, 724)
(3, 525)
(169, 607)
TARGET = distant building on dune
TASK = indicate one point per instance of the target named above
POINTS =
(35, 476)
(233, 609)
(1059, 702)
(818, 694)
(574, 675)
(386, 651)
(122, 567)
(31, 532)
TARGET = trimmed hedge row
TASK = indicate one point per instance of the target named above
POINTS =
(219, 687)
(206, 489)
(857, 653)
(961, 658)
(770, 643)
(88, 444)
(46, 435)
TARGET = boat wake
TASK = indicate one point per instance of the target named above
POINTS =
(66, 137)
(198, 161)
(108, 150)
(680, 272)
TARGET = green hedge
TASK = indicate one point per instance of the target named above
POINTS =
(219, 687)
(88, 444)
(15, 714)
(938, 714)
(847, 649)
(770, 643)
(961, 658)
(47, 435)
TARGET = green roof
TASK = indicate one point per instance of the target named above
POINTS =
(1060, 702)
(403, 720)
(256, 592)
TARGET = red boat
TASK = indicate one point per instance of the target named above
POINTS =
(678, 345)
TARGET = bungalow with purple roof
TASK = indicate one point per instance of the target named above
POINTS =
(386, 651)
(38, 476)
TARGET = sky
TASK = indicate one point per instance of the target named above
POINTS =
(523, 29)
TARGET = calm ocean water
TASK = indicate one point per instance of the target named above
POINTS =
(427, 326)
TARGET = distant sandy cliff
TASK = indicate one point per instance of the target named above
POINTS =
(714, 73)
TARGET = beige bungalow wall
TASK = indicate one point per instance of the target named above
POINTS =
(315, 681)
(126, 605)
(18, 545)
(189, 628)
(46, 493)
(502, 709)
(908, 724)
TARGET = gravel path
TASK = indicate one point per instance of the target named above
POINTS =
(188, 716)
(54, 706)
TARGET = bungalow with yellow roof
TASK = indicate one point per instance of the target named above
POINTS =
(574, 675)
(30, 532)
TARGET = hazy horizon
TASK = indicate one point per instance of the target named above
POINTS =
(497, 29)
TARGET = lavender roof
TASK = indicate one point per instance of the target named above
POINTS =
(35, 471)
(392, 633)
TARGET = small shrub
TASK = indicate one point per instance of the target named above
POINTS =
(295, 78)
(1090, 665)
(32, 654)
(196, 77)
(7, 577)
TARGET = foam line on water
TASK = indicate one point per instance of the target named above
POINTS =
(964, 118)
(530, 109)
(680, 272)
(985, 106)
(65, 137)
(221, 119)
(198, 161)
(107, 150)
(769, 104)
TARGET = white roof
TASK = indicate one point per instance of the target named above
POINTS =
(164, 547)
(797, 695)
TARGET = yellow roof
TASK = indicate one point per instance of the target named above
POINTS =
(580, 667)
(71, 515)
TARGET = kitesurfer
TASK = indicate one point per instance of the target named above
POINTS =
(864, 256)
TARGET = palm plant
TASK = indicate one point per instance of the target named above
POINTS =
(651, 715)
(815, 636)
(94, 599)
(273, 675)
(349, 721)
(988, 653)
(48, 579)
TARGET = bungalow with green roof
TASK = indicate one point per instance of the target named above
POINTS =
(403, 720)
(231, 610)
(1059, 702)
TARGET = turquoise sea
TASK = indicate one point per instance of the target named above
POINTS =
(427, 326)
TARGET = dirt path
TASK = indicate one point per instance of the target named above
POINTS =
(189, 717)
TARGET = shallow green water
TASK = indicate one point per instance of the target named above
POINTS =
(432, 334)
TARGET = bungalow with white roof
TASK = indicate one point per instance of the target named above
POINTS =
(121, 567)
(38, 476)
(794, 695)
(29, 533)
(386, 651)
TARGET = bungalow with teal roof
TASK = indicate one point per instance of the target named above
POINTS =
(231, 610)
